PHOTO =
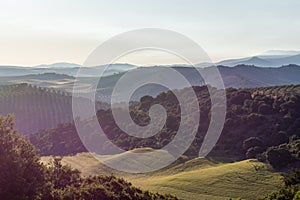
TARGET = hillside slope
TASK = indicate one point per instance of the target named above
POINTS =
(246, 179)
(194, 179)
(36, 108)
(257, 119)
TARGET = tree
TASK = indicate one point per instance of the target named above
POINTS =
(62, 176)
(21, 174)
(253, 152)
(290, 190)
(278, 138)
(278, 157)
(265, 109)
(252, 142)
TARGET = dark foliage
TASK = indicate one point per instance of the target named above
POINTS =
(21, 174)
(23, 177)
(256, 119)
(291, 189)
(258, 122)
(278, 157)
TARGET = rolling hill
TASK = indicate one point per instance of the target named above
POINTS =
(197, 178)
(65, 68)
(36, 108)
(245, 76)
(260, 123)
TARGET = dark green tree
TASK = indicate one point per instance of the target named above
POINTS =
(278, 157)
(21, 174)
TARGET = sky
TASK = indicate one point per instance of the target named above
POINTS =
(36, 32)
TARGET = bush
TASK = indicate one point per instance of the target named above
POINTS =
(293, 178)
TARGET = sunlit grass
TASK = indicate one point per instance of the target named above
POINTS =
(194, 179)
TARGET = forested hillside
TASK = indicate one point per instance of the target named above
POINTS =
(35, 108)
(261, 123)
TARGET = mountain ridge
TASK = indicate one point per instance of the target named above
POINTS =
(240, 76)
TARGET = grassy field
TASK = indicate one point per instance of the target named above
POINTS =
(194, 179)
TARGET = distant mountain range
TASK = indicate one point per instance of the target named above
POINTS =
(268, 69)
(273, 58)
(240, 76)
(245, 76)
(263, 61)
(65, 68)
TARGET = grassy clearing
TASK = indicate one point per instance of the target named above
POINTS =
(246, 179)
(194, 179)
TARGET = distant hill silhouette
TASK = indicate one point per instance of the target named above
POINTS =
(65, 68)
(240, 76)
(245, 76)
(266, 60)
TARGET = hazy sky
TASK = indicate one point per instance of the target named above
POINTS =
(48, 31)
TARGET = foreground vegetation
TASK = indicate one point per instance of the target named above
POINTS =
(24, 177)
(291, 189)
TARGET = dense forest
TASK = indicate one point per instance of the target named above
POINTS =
(36, 108)
(23, 177)
(261, 123)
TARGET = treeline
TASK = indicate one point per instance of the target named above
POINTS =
(23, 177)
(261, 123)
(36, 108)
